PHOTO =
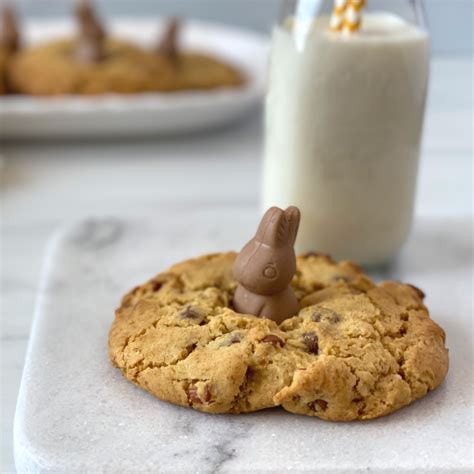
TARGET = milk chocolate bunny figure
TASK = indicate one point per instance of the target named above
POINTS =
(265, 267)
(90, 44)
(9, 34)
(168, 45)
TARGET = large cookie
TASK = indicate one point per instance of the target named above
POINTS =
(355, 350)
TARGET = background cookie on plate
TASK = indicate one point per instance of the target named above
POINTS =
(91, 63)
(52, 69)
(193, 70)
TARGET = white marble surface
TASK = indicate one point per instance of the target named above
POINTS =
(76, 413)
(45, 184)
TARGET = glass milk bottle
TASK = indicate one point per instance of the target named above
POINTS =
(344, 117)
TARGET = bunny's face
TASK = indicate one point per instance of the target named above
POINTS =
(267, 263)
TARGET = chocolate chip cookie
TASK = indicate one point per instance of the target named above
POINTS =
(355, 349)
(53, 69)
(194, 70)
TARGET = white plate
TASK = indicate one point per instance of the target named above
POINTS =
(148, 113)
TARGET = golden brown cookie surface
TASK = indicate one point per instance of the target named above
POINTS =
(200, 71)
(52, 69)
(355, 350)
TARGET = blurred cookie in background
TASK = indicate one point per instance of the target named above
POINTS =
(90, 63)
(52, 69)
(94, 62)
(195, 70)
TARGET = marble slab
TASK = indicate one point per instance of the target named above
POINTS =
(77, 413)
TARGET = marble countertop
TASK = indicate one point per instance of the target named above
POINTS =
(46, 184)
(77, 413)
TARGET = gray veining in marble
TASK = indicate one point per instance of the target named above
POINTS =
(77, 413)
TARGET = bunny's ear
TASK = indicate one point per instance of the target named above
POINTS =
(263, 226)
(293, 216)
(273, 230)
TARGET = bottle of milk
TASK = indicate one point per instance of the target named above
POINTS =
(344, 117)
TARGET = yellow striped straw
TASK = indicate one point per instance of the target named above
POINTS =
(338, 13)
(352, 16)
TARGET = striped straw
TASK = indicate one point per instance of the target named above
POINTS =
(352, 16)
(337, 17)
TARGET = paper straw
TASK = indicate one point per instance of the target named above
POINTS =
(338, 14)
(353, 16)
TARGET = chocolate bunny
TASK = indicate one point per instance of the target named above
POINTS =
(265, 267)
(9, 34)
(90, 44)
(168, 45)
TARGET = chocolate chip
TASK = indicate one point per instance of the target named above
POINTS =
(193, 396)
(327, 314)
(191, 348)
(272, 339)
(157, 286)
(311, 341)
(249, 374)
(323, 404)
(318, 405)
(419, 292)
(402, 331)
(190, 313)
(401, 373)
(335, 318)
(207, 394)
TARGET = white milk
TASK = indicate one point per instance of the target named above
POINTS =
(344, 118)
